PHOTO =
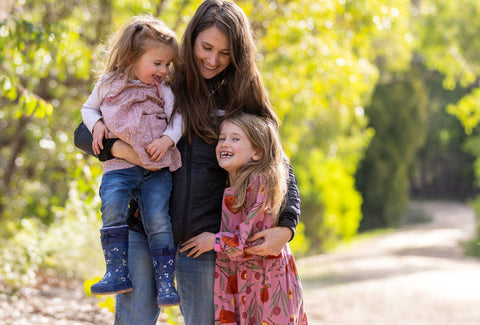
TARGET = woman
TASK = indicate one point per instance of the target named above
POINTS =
(217, 76)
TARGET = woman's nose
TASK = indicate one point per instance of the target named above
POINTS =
(212, 59)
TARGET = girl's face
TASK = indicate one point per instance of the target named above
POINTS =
(154, 64)
(234, 149)
(211, 51)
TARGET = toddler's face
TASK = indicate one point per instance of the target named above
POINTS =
(154, 64)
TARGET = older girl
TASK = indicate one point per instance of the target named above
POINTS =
(251, 289)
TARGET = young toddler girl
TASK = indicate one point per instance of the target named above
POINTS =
(133, 102)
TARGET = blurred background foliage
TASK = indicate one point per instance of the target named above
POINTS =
(379, 101)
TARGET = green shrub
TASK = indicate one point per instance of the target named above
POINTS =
(70, 246)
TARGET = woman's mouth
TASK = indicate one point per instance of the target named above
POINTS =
(209, 67)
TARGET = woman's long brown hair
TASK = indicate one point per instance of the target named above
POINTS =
(239, 88)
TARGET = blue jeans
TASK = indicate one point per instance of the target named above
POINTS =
(194, 284)
(151, 189)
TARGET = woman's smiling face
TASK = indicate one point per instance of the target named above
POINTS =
(211, 50)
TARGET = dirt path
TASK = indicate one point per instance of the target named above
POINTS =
(412, 276)
(416, 275)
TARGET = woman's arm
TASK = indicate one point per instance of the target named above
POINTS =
(83, 140)
(125, 151)
(290, 214)
(112, 148)
(276, 238)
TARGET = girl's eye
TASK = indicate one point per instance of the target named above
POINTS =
(207, 48)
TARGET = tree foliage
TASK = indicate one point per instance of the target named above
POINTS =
(318, 62)
(452, 48)
(321, 62)
(442, 167)
(398, 114)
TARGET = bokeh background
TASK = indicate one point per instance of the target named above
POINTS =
(379, 102)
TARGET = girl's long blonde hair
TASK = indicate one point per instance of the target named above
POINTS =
(132, 40)
(271, 167)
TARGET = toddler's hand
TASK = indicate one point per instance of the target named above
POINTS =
(100, 132)
(157, 148)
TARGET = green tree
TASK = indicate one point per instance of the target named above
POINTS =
(320, 63)
(398, 115)
(452, 48)
(442, 168)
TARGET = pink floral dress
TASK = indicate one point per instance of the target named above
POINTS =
(252, 289)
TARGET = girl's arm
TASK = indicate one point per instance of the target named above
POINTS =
(233, 242)
(91, 115)
(170, 137)
(175, 126)
(276, 238)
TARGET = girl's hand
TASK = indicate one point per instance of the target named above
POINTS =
(99, 132)
(199, 244)
(274, 240)
(157, 148)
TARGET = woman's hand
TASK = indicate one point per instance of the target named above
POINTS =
(199, 244)
(274, 240)
(125, 151)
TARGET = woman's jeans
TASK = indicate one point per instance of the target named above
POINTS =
(152, 190)
(194, 285)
